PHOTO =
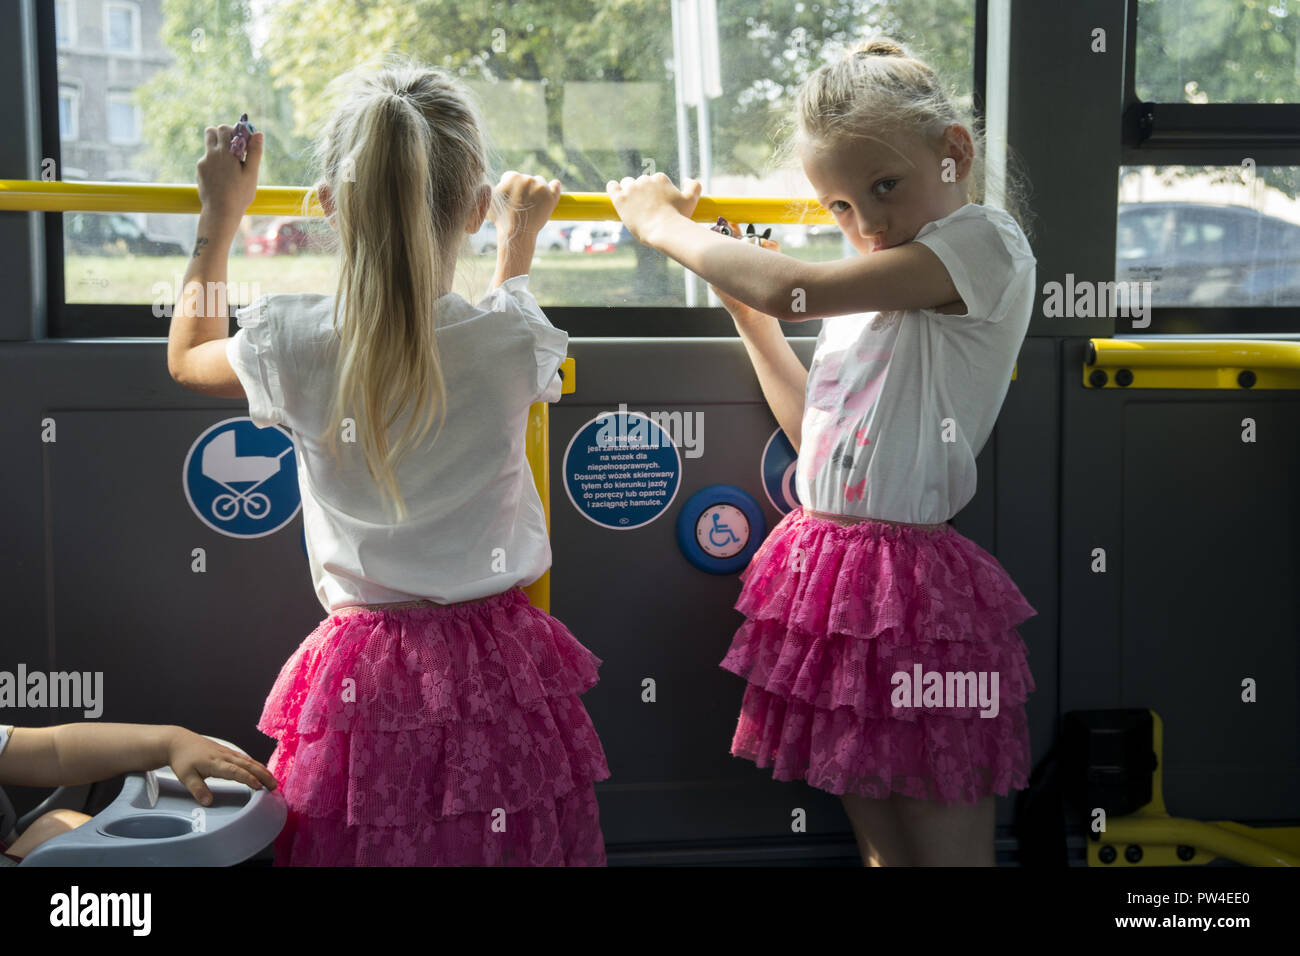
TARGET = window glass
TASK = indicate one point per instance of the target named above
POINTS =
(1218, 51)
(601, 105)
(1211, 236)
(68, 114)
(63, 23)
(121, 28)
(121, 120)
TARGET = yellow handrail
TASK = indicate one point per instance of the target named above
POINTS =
(1214, 838)
(1192, 363)
(38, 196)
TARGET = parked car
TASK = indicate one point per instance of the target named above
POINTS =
(1208, 254)
(597, 236)
(106, 234)
(484, 241)
(552, 237)
(281, 236)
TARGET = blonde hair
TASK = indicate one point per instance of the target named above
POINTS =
(880, 88)
(404, 156)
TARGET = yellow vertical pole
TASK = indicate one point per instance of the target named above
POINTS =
(537, 444)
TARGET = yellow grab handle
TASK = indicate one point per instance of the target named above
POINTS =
(35, 195)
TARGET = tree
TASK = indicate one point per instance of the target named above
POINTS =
(524, 58)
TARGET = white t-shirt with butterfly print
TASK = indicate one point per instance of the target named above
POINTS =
(899, 404)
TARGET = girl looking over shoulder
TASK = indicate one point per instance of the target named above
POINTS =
(880, 647)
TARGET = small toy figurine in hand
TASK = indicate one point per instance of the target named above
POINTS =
(239, 141)
(765, 241)
(723, 227)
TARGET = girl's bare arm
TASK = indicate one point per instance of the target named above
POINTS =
(73, 754)
(781, 375)
(515, 253)
(909, 276)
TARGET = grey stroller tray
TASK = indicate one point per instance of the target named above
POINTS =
(155, 821)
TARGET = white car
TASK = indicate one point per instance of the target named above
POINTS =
(550, 238)
(484, 242)
(588, 234)
(553, 237)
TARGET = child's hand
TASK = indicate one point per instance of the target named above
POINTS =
(193, 757)
(227, 187)
(530, 200)
(647, 200)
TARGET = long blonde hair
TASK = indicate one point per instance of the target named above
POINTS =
(404, 156)
(881, 87)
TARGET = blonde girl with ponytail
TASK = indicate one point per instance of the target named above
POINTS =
(434, 716)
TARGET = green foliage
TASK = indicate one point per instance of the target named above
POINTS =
(767, 48)
(213, 78)
(1217, 51)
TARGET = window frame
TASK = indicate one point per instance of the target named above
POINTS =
(70, 21)
(1206, 134)
(114, 320)
(74, 112)
(118, 97)
(134, 10)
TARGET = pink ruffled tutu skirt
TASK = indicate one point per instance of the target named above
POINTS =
(833, 613)
(435, 735)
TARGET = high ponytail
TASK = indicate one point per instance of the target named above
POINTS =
(404, 159)
(879, 87)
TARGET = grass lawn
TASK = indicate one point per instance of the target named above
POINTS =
(557, 279)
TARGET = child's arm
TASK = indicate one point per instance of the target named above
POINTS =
(781, 375)
(909, 276)
(514, 255)
(196, 341)
(72, 754)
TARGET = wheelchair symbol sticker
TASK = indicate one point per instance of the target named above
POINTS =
(241, 480)
(719, 529)
(722, 531)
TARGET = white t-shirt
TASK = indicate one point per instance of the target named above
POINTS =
(473, 507)
(6, 730)
(899, 404)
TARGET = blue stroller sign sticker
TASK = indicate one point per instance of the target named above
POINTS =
(241, 480)
(778, 470)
